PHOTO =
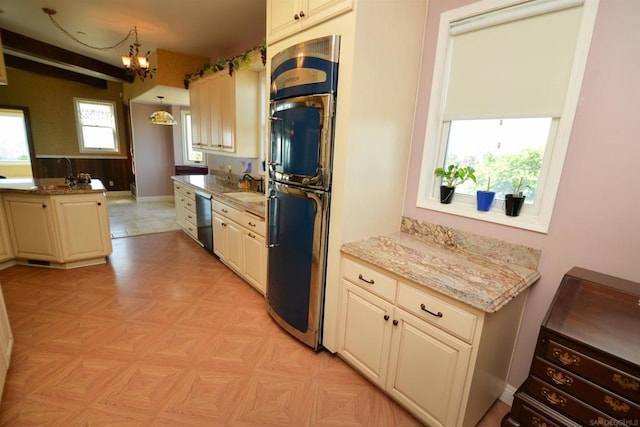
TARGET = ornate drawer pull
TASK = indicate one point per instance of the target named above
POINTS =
(538, 422)
(424, 308)
(553, 398)
(625, 382)
(558, 378)
(616, 405)
(566, 358)
(371, 282)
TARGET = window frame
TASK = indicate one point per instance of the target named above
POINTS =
(185, 141)
(535, 218)
(79, 126)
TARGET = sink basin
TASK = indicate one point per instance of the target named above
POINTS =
(247, 196)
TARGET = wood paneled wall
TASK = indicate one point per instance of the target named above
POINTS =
(116, 170)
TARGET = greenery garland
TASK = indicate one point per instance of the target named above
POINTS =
(230, 64)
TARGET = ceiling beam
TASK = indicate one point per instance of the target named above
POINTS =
(51, 71)
(37, 49)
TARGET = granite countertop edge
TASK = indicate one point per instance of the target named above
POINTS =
(483, 283)
(36, 186)
(213, 186)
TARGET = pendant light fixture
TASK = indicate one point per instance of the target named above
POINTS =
(162, 117)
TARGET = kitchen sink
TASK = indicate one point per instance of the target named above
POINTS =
(247, 196)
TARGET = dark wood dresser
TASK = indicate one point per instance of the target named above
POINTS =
(586, 367)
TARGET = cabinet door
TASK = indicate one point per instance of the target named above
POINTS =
(195, 107)
(179, 204)
(6, 252)
(317, 11)
(227, 110)
(281, 19)
(427, 369)
(215, 105)
(255, 261)
(220, 246)
(31, 227)
(84, 226)
(365, 325)
(235, 255)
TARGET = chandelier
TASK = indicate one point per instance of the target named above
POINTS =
(134, 63)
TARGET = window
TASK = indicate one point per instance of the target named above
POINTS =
(96, 123)
(190, 156)
(503, 98)
(15, 160)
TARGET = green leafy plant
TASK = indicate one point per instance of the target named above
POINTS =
(518, 186)
(454, 175)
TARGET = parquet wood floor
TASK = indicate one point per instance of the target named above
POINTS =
(165, 335)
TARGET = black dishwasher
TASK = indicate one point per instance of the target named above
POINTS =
(203, 218)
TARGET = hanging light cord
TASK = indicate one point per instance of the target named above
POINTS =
(132, 32)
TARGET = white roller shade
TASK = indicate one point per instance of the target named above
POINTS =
(519, 68)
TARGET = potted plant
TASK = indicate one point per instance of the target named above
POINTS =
(485, 198)
(513, 202)
(452, 176)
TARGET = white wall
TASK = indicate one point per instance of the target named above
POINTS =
(596, 220)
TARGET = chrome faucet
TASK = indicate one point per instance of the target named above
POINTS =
(70, 178)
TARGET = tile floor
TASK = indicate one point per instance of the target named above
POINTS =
(157, 337)
(128, 217)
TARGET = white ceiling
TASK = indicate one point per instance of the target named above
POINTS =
(193, 27)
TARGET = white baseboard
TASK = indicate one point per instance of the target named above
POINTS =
(507, 394)
(155, 199)
(118, 193)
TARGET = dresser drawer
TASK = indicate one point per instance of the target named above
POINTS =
(529, 417)
(565, 403)
(369, 279)
(576, 361)
(226, 210)
(432, 309)
(254, 223)
(585, 391)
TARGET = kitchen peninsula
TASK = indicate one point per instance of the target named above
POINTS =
(431, 315)
(48, 223)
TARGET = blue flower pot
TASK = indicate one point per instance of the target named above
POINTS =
(485, 200)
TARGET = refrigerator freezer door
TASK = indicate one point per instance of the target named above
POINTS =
(297, 244)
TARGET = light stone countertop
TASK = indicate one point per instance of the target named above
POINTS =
(219, 189)
(48, 186)
(485, 273)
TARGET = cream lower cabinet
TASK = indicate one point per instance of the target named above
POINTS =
(238, 239)
(83, 222)
(31, 224)
(185, 203)
(6, 252)
(445, 361)
(6, 343)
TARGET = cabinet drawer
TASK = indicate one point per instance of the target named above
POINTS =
(254, 223)
(585, 391)
(190, 216)
(575, 361)
(566, 404)
(369, 279)
(446, 316)
(184, 190)
(191, 229)
(227, 211)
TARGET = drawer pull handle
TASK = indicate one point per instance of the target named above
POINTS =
(371, 282)
(553, 398)
(424, 308)
(566, 358)
(251, 224)
(537, 422)
(224, 210)
(558, 378)
(253, 236)
(625, 382)
(616, 405)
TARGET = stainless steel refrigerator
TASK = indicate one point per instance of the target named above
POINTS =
(302, 109)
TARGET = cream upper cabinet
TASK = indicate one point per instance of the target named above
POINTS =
(31, 224)
(83, 223)
(287, 17)
(225, 113)
(434, 355)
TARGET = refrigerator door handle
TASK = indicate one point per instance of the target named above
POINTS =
(276, 121)
(272, 213)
